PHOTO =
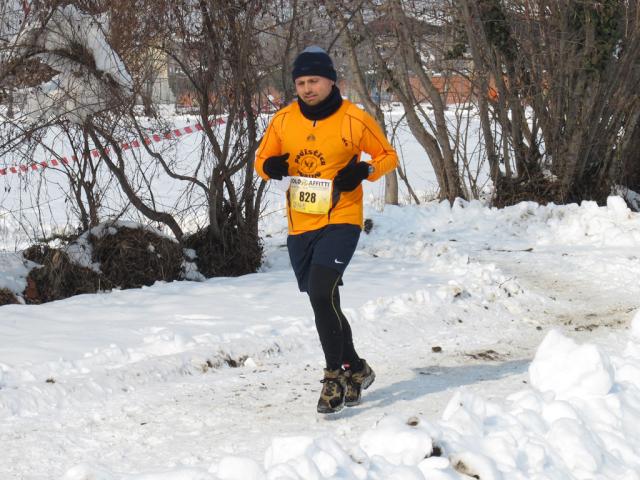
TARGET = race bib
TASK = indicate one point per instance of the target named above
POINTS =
(310, 195)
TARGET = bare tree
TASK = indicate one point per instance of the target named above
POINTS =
(343, 15)
(566, 78)
(96, 86)
(40, 65)
(396, 33)
(213, 45)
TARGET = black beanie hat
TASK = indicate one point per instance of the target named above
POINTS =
(314, 61)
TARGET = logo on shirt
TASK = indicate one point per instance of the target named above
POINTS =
(308, 162)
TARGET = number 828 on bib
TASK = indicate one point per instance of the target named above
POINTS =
(310, 195)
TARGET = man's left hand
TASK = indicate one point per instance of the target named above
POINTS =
(351, 176)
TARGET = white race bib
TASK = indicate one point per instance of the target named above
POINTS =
(310, 195)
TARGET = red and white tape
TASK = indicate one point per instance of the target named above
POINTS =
(54, 162)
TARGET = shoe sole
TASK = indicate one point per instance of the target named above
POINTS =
(369, 380)
(366, 384)
(334, 410)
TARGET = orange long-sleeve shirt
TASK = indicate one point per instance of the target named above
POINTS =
(319, 149)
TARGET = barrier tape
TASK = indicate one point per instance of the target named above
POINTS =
(154, 138)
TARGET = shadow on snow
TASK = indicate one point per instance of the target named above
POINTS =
(433, 379)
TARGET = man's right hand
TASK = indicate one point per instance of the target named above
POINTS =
(277, 167)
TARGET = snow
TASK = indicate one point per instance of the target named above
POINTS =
(537, 376)
(410, 446)
(13, 272)
(635, 326)
(66, 94)
(569, 370)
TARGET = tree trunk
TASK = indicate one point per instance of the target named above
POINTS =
(371, 106)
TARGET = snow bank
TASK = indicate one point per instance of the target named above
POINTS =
(578, 419)
(13, 272)
(589, 224)
(87, 472)
(526, 224)
(569, 370)
(574, 422)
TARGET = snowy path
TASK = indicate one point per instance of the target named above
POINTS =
(133, 417)
(585, 296)
(161, 407)
(181, 420)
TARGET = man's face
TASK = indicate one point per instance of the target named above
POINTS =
(312, 89)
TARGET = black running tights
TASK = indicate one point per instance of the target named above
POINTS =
(333, 328)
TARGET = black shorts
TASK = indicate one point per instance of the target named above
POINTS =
(331, 246)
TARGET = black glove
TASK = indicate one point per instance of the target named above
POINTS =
(277, 167)
(351, 176)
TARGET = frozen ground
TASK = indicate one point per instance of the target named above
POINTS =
(536, 375)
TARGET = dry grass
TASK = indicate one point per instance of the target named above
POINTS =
(7, 297)
(58, 277)
(237, 253)
(132, 257)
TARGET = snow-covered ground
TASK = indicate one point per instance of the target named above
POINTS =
(504, 343)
